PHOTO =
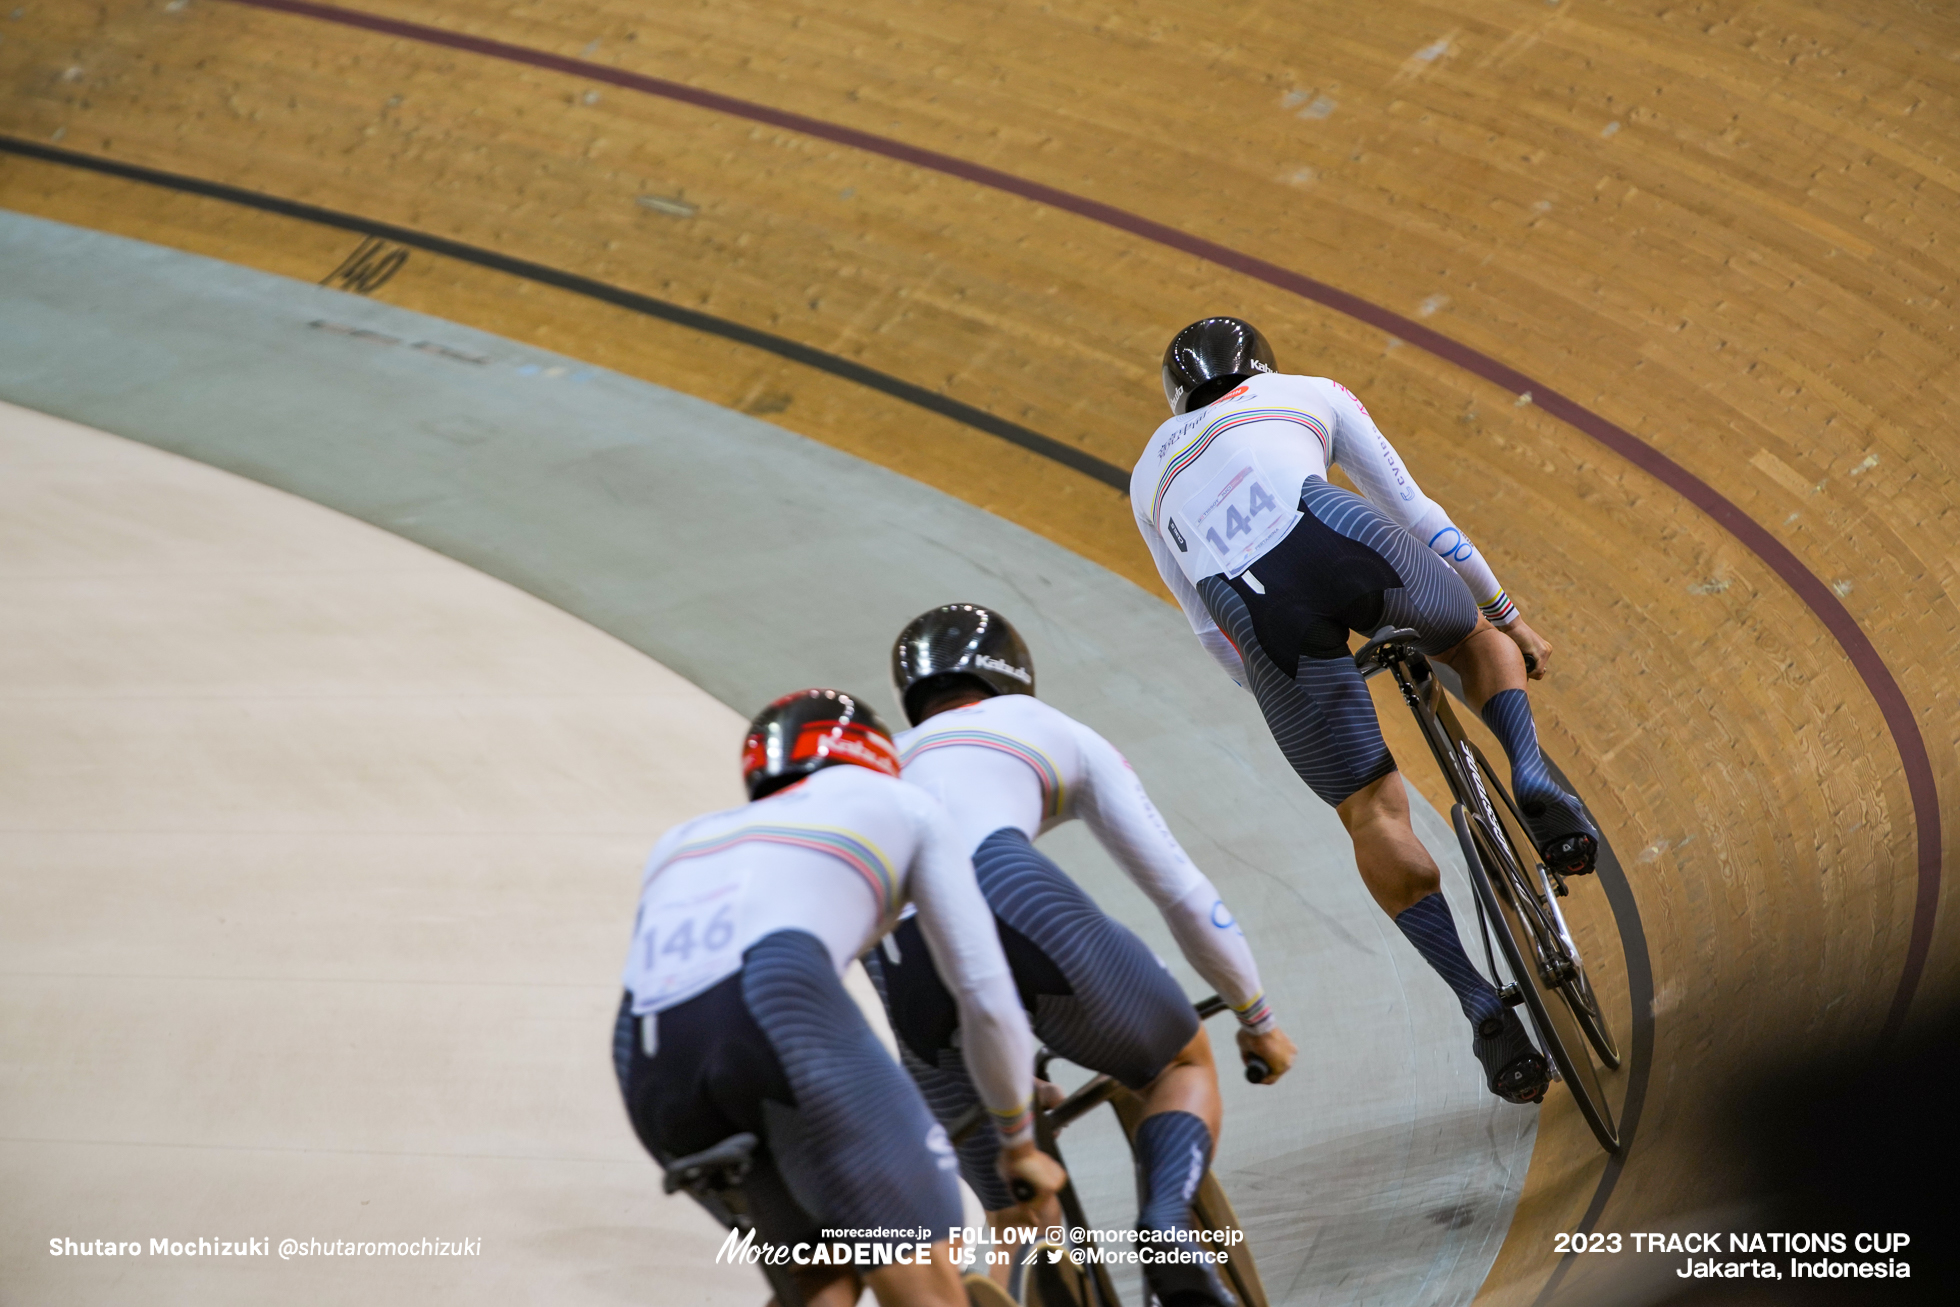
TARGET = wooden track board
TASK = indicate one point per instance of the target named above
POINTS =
(1720, 226)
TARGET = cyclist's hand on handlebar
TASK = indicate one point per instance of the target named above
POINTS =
(1274, 1048)
(1537, 650)
(1034, 1177)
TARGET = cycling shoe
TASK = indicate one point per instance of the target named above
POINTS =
(1515, 1071)
(1194, 1283)
(1566, 838)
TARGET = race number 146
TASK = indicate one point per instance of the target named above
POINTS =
(687, 943)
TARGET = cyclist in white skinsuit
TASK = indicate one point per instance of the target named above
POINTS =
(1273, 566)
(735, 1019)
(1009, 768)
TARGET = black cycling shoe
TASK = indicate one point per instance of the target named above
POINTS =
(1566, 838)
(1515, 1070)
(1186, 1284)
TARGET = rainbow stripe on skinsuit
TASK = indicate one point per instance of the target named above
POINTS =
(1045, 770)
(860, 855)
(1219, 427)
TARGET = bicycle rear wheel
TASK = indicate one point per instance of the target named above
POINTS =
(1536, 956)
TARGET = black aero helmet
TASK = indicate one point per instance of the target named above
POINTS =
(958, 641)
(809, 730)
(1211, 356)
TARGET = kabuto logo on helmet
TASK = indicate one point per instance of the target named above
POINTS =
(802, 733)
(958, 646)
(853, 742)
(1004, 667)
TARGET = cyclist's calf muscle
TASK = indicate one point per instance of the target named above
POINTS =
(1488, 661)
(1396, 868)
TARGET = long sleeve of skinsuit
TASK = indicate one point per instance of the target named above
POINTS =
(958, 928)
(1113, 803)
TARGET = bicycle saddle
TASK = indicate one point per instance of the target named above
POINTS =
(718, 1167)
(1369, 654)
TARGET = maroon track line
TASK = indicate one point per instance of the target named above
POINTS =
(1814, 593)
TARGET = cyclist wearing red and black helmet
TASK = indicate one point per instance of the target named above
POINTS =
(1273, 566)
(735, 1018)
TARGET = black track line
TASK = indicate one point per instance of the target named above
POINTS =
(795, 351)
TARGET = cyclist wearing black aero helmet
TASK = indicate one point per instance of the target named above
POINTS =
(1009, 767)
(735, 1020)
(1274, 566)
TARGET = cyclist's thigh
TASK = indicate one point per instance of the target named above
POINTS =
(1431, 600)
(1321, 715)
(858, 1148)
(925, 1019)
(1096, 993)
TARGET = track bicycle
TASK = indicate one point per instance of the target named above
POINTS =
(1517, 894)
(1049, 1276)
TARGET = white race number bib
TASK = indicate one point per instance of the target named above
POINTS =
(685, 941)
(1225, 525)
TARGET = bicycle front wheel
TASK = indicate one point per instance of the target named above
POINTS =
(1538, 963)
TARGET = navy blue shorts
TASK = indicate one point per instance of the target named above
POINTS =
(1094, 992)
(780, 1050)
(1344, 567)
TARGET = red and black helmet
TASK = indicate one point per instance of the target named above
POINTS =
(809, 730)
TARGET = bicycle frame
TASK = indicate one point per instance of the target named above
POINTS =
(1538, 948)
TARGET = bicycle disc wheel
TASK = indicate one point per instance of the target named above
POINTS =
(1525, 937)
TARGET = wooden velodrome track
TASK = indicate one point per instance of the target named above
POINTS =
(1657, 299)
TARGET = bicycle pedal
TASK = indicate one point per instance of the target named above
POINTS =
(1511, 995)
